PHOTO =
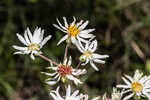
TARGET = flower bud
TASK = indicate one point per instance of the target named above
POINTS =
(64, 79)
(82, 58)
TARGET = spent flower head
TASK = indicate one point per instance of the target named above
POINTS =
(33, 43)
(89, 55)
(76, 32)
(139, 85)
(64, 72)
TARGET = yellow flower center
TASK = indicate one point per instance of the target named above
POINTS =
(88, 54)
(33, 47)
(73, 31)
(137, 87)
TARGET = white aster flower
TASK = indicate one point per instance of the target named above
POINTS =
(74, 96)
(64, 72)
(33, 43)
(139, 85)
(89, 55)
(75, 31)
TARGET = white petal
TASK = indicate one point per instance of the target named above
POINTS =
(82, 40)
(49, 74)
(57, 93)
(86, 31)
(51, 64)
(54, 78)
(74, 41)
(137, 75)
(99, 61)
(57, 77)
(80, 47)
(86, 35)
(30, 35)
(64, 28)
(146, 86)
(22, 52)
(53, 68)
(51, 82)
(126, 81)
(74, 20)
(45, 40)
(62, 39)
(19, 52)
(75, 93)
(94, 66)
(27, 52)
(32, 56)
(54, 96)
(59, 28)
(147, 95)
(20, 48)
(144, 79)
(22, 40)
(26, 38)
(75, 80)
(70, 61)
(78, 24)
(77, 72)
(83, 25)
(93, 46)
(36, 35)
(126, 91)
(129, 77)
(128, 97)
(41, 36)
(87, 46)
(65, 21)
(123, 86)
(68, 91)
(95, 55)
(65, 61)
(146, 90)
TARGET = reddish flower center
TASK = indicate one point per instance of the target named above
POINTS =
(64, 70)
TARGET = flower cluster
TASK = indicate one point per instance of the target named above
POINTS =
(81, 37)
(66, 73)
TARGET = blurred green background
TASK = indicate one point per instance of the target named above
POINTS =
(122, 30)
